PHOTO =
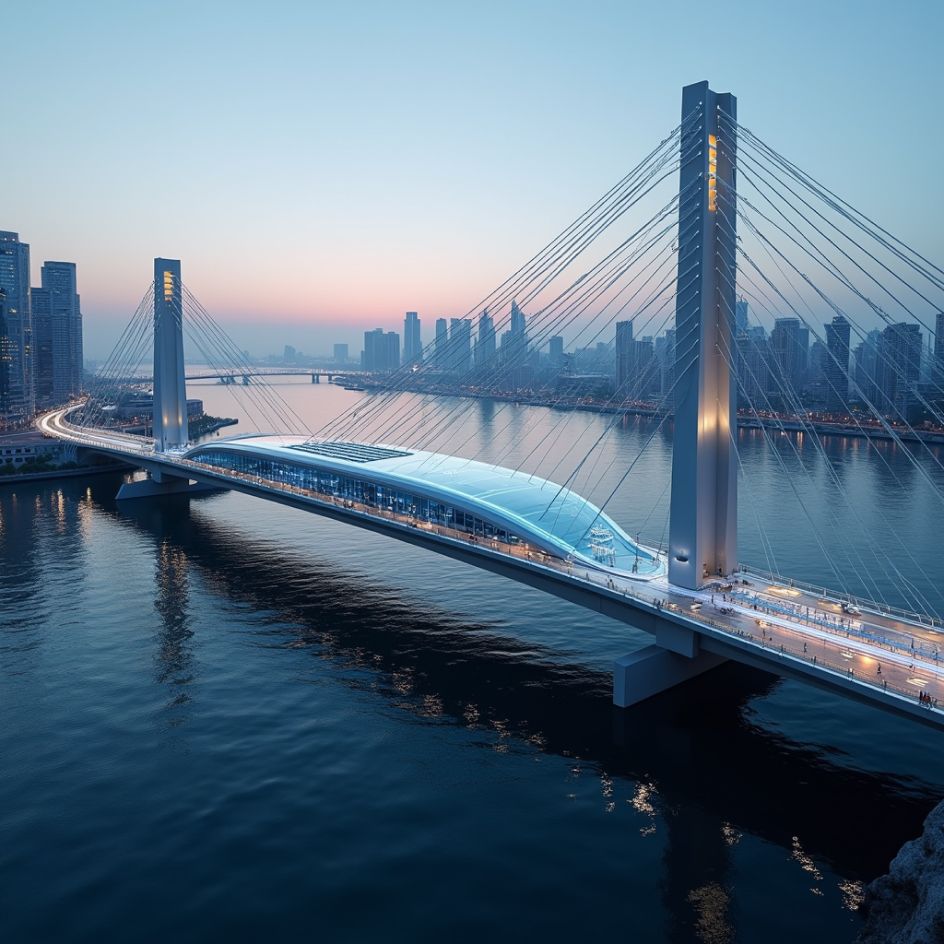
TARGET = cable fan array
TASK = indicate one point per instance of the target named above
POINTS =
(800, 252)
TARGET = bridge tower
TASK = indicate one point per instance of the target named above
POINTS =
(170, 389)
(703, 512)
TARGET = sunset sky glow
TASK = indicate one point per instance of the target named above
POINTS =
(321, 168)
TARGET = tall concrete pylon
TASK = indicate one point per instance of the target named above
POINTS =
(703, 513)
(170, 389)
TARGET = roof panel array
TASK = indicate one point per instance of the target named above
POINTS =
(353, 452)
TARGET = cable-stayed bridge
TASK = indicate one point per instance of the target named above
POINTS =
(641, 258)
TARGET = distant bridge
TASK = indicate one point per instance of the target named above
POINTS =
(245, 375)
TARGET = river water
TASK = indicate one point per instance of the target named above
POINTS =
(225, 719)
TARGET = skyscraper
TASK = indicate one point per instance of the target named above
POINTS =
(789, 343)
(518, 322)
(381, 350)
(441, 348)
(836, 367)
(938, 371)
(740, 317)
(14, 280)
(460, 345)
(340, 353)
(555, 352)
(753, 369)
(485, 343)
(899, 367)
(6, 359)
(624, 354)
(412, 339)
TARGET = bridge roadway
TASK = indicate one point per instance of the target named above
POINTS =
(883, 658)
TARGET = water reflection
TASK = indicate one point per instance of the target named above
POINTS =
(691, 758)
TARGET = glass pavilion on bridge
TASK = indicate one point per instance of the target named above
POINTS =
(480, 500)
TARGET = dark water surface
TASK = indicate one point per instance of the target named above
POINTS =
(225, 719)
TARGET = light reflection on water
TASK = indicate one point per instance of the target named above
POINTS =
(283, 725)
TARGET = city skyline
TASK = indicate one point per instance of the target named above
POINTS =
(380, 195)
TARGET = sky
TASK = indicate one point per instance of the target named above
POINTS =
(322, 168)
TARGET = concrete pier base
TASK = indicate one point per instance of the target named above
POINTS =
(151, 488)
(652, 670)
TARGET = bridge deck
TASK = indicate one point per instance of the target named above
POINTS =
(874, 656)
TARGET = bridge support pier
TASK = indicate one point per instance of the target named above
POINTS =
(652, 670)
(161, 486)
(316, 378)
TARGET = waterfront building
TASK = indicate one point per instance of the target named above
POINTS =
(555, 352)
(29, 446)
(460, 345)
(624, 354)
(381, 350)
(340, 353)
(938, 370)
(899, 367)
(665, 352)
(637, 372)
(18, 329)
(441, 347)
(789, 351)
(740, 317)
(485, 349)
(753, 370)
(412, 339)
(836, 366)
(518, 321)
(6, 358)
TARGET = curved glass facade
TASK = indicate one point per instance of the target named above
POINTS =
(476, 499)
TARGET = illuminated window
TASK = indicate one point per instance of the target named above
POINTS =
(712, 173)
(168, 286)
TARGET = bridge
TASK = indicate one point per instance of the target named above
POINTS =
(371, 468)
(246, 375)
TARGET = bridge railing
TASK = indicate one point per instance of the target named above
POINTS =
(864, 603)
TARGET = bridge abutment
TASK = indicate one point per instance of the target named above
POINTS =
(160, 486)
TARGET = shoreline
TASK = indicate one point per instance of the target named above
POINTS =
(822, 427)
(99, 469)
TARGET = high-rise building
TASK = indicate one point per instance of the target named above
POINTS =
(865, 369)
(381, 350)
(412, 339)
(753, 370)
(289, 354)
(637, 372)
(665, 352)
(14, 280)
(836, 367)
(485, 343)
(441, 348)
(460, 345)
(938, 369)
(899, 367)
(518, 321)
(514, 341)
(6, 359)
(740, 317)
(340, 353)
(624, 355)
(789, 350)
(555, 352)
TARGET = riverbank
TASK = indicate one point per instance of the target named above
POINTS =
(71, 472)
(822, 427)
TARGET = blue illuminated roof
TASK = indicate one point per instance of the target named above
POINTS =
(542, 512)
